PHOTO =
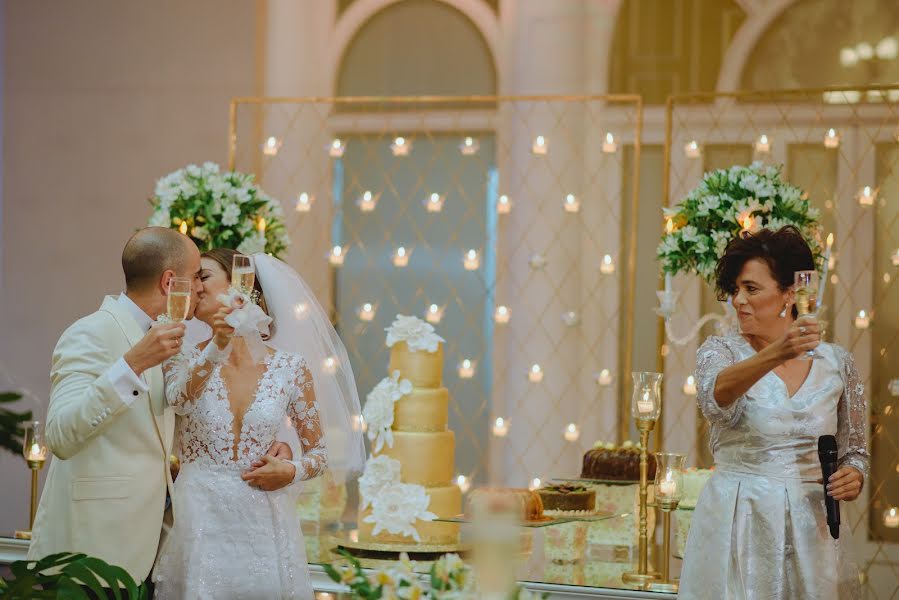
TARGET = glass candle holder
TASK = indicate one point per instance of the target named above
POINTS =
(647, 398)
(669, 482)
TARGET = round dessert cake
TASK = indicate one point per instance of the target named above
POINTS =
(616, 463)
(494, 500)
(567, 497)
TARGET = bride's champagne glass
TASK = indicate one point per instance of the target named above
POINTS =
(243, 273)
(806, 288)
(178, 304)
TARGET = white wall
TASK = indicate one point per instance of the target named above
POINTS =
(101, 98)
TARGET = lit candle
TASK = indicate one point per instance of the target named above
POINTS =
(831, 139)
(434, 203)
(466, 369)
(335, 150)
(572, 433)
(469, 146)
(463, 483)
(359, 424)
(300, 310)
(503, 205)
(337, 255)
(537, 261)
(762, 144)
(368, 201)
(862, 321)
(500, 427)
(895, 258)
(471, 260)
(691, 149)
(502, 315)
(401, 257)
(609, 145)
(401, 146)
(891, 517)
(304, 203)
(330, 365)
(667, 487)
(535, 484)
(571, 204)
(645, 404)
(271, 146)
(539, 146)
(570, 318)
(367, 312)
(260, 225)
(434, 314)
(36, 453)
(183, 227)
(535, 375)
(608, 266)
(866, 196)
(604, 378)
(690, 386)
(827, 266)
(746, 222)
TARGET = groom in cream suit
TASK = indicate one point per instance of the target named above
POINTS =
(108, 423)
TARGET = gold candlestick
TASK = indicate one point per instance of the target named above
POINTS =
(35, 451)
(645, 408)
(666, 584)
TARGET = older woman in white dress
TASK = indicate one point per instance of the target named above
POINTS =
(760, 525)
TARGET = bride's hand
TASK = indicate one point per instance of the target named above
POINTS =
(221, 331)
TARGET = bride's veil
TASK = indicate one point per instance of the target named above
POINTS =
(302, 326)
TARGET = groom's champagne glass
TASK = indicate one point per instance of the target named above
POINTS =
(806, 288)
(178, 299)
(243, 273)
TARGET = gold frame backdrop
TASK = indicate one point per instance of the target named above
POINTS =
(842, 147)
(530, 218)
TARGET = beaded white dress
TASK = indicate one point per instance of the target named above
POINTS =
(230, 540)
(760, 527)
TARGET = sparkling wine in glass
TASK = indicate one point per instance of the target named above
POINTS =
(806, 287)
(179, 298)
(243, 273)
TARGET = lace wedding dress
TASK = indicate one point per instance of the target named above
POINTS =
(230, 540)
(760, 527)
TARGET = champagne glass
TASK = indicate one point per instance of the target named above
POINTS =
(243, 273)
(178, 304)
(806, 288)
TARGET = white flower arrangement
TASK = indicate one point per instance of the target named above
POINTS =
(378, 411)
(725, 203)
(219, 210)
(417, 334)
(397, 507)
(380, 472)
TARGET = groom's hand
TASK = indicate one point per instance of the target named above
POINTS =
(274, 474)
(278, 450)
(162, 341)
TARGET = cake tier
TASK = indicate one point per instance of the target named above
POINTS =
(445, 502)
(616, 464)
(423, 410)
(567, 498)
(424, 369)
(426, 458)
(498, 499)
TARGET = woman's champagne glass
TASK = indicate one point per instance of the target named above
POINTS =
(243, 273)
(806, 288)
(178, 304)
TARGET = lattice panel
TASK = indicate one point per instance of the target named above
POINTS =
(833, 147)
(543, 259)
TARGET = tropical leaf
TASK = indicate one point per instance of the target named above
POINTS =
(67, 575)
(12, 430)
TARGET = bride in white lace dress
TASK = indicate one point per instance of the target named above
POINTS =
(232, 539)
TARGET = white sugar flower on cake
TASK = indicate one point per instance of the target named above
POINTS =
(417, 334)
(380, 473)
(378, 411)
(397, 507)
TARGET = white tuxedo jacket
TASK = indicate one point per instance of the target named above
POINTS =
(105, 490)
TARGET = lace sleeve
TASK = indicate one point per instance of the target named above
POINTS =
(852, 417)
(713, 357)
(303, 413)
(186, 374)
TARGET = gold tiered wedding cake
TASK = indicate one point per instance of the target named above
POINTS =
(407, 482)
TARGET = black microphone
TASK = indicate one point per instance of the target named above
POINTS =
(827, 454)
